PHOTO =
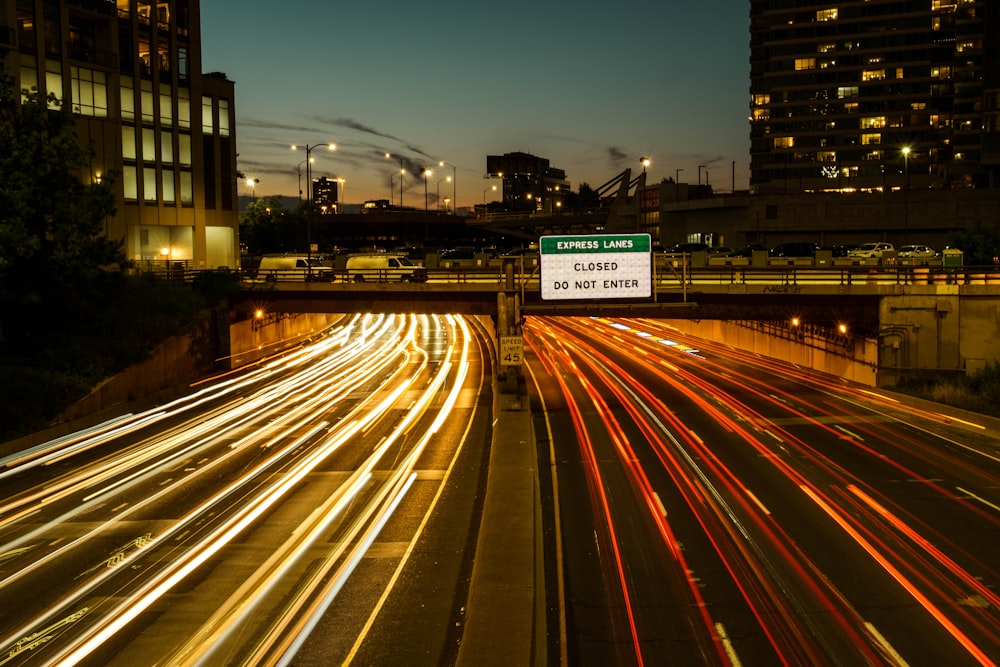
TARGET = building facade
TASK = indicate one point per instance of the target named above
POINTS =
(874, 96)
(130, 70)
(529, 183)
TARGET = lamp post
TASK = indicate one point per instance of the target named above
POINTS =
(645, 163)
(454, 182)
(492, 187)
(425, 173)
(440, 181)
(252, 183)
(299, 170)
(906, 194)
(401, 172)
(309, 148)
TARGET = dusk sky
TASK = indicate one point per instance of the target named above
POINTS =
(590, 86)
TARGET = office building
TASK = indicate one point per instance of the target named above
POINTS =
(529, 183)
(874, 95)
(130, 70)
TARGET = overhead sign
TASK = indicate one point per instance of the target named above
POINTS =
(596, 266)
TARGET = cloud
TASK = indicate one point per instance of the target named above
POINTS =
(616, 155)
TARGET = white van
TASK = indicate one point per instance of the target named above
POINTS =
(384, 267)
(293, 268)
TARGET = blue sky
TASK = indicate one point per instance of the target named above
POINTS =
(588, 86)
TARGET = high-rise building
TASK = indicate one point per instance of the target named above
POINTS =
(874, 95)
(130, 70)
(529, 183)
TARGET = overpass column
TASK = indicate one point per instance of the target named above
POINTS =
(509, 344)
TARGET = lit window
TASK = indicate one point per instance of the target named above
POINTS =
(130, 183)
(784, 142)
(148, 144)
(851, 107)
(870, 138)
(127, 95)
(168, 185)
(223, 118)
(827, 156)
(805, 63)
(187, 188)
(146, 101)
(826, 15)
(760, 99)
(761, 114)
(847, 91)
(941, 72)
(183, 108)
(53, 82)
(149, 184)
(207, 124)
(827, 48)
(184, 149)
(128, 142)
(166, 106)
(166, 147)
(872, 74)
(873, 122)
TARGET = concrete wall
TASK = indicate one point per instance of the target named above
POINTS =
(940, 329)
(854, 359)
(251, 340)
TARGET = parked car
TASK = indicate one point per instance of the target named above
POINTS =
(747, 250)
(691, 247)
(917, 252)
(384, 267)
(796, 249)
(274, 268)
(871, 250)
(721, 250)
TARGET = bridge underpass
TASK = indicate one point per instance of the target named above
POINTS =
(758, 318)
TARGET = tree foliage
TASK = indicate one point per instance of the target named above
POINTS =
(980, 244)
(52, 249)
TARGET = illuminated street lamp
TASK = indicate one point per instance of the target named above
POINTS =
(454, 182)
(440, 181)
(645, 163)
(309, 148)
(252, 184)
(425, 173)
(401, 172)
(487, 190)
(906, 194)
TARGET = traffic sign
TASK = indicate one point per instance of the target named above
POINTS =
(596, 266)
(511, 350)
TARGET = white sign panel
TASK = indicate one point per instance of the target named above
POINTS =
(597, 266)
(511, 350)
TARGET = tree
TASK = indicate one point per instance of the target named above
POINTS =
(52, 248)
(980, 244)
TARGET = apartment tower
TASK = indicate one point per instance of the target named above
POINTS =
(130, 70)
(874, 95)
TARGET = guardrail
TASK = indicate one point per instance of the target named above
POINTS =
(665, 276)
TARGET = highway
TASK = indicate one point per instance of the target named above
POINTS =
(228, 526)
(714, 507)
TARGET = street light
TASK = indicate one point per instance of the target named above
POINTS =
(906, 194)
(401, 172)
(439, 190)
(252, 184)
(645, 163)
(454, 182)
(309, 148)
(487, 190)
(426, 172)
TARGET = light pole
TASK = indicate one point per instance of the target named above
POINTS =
(906, 194)
(299, 169)
(440, 181)
(493, 187)
(425, 173)
(645, 163)
(252, 182)
(309, 148)
(454, 182)
(401, 172)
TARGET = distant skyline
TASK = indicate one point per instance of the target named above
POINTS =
(586, 86)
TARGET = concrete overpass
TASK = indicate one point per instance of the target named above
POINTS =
(865, 323)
